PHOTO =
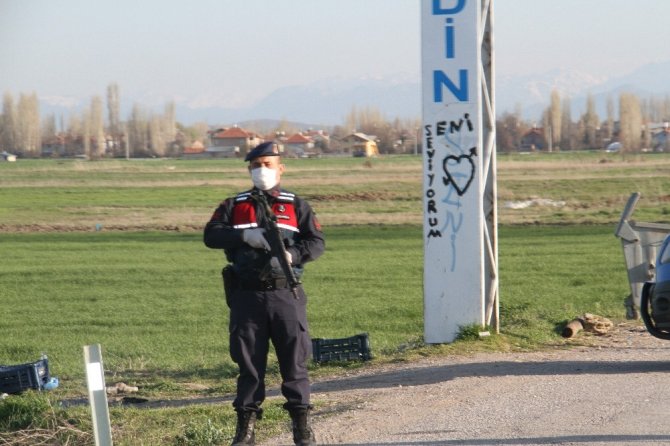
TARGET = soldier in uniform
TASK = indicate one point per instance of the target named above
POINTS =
(262, 306)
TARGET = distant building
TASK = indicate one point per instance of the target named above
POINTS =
(53, 145)
(360, 144)
(198, 150)
(321, 139)
(533, 140)
(222, 151)
(298, 145)
(278, 137)
(195, 150)
(233, 140)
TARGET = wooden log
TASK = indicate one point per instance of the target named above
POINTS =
(573, 327)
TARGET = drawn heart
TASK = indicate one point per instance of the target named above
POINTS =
(460, 171)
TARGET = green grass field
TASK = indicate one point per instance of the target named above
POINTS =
(146, 288)
(148, 195)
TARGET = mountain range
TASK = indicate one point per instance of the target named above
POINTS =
(531, 94)
(326, 103)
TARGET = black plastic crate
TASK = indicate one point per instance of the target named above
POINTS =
(344, 349)
(17, 378)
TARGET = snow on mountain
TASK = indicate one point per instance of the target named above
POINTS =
(653, 78)
(532, 92)
(327, 102)
(322, 103)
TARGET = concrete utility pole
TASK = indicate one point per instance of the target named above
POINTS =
(459, 152)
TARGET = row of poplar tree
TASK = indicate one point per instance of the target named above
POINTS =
(94, 132)
(97, 132)
(630, 121)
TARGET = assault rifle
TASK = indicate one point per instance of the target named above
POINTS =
(275, 240)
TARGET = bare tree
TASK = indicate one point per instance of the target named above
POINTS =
(555, 118)
(169, 128)
(610, 118)
(113, 114)
(630, 119)
(196, 132)
(74, 133)
(351, 120)
(591, 124)
(665, 113)
(365, 120)
(138, 132)
(97, 128)
(48, 130)
(28, 123)
(652, 109)
(156, 134)
(509, 131)
(567, 133)
(86, 131)
(170, 118)
(8, 131)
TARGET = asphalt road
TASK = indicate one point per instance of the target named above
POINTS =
(615, 392)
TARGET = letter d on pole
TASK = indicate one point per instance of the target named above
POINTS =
(97, 395)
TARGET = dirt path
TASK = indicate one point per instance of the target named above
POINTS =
(615, 392)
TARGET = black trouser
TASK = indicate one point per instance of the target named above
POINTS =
(257, 317)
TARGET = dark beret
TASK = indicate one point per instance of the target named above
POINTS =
(264, 149)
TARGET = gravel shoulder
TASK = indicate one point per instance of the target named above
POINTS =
(612, 391)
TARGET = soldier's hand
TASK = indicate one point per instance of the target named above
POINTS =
(274, 262)
(254, 238)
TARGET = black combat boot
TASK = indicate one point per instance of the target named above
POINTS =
(244, 435)
(302, 432)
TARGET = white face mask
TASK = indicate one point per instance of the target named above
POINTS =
(264, 178)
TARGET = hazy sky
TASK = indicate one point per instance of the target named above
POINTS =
(236, 51)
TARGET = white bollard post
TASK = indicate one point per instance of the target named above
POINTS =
(97, 395)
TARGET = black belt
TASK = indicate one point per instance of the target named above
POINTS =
(264, 285)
